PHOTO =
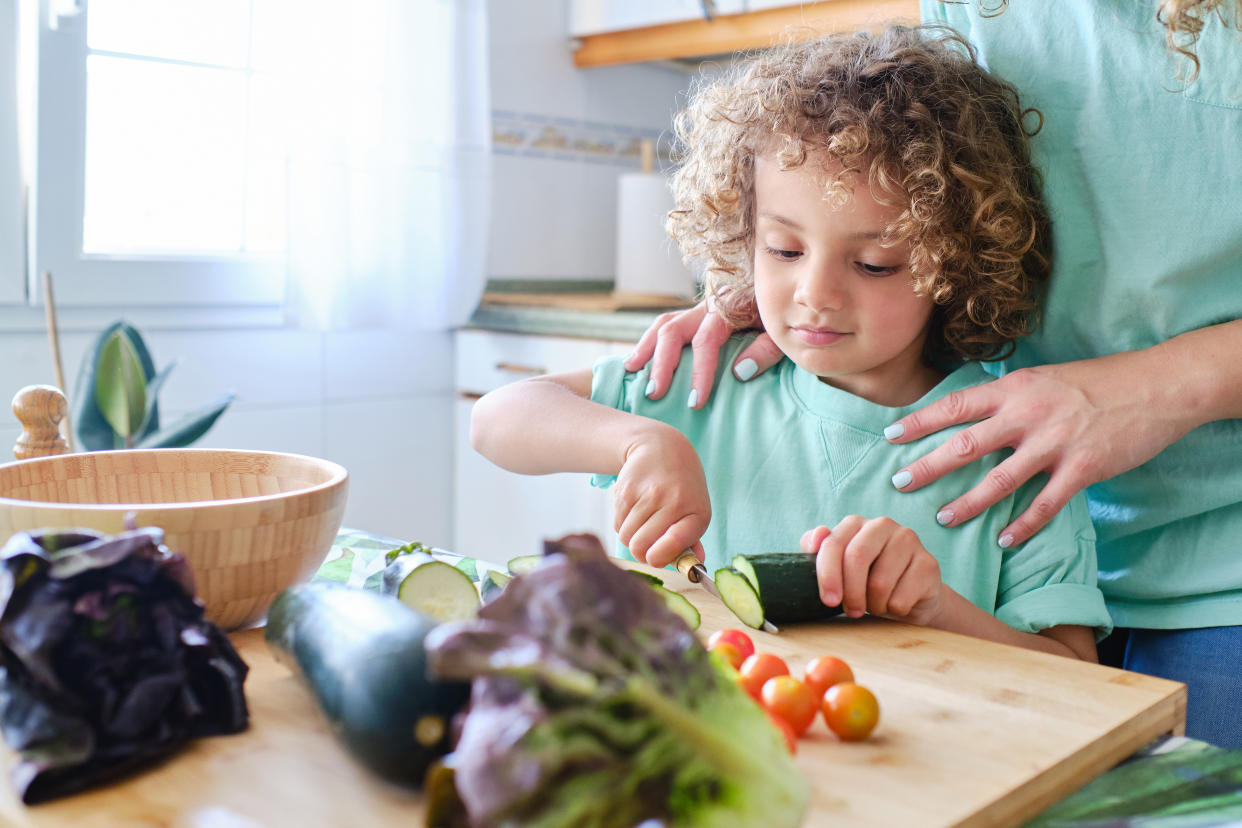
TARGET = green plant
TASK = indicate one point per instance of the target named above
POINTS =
(116, 398)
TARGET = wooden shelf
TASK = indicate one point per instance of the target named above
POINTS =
(740, 32)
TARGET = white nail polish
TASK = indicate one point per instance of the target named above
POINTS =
(651, 386)
(894, 431)
(944, 517)
(694, 398)
(1005, 541)
(902, 479)
(745, 369)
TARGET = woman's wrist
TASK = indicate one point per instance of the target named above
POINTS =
(1205, 375)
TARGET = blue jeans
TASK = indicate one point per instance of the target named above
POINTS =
(1208, 660)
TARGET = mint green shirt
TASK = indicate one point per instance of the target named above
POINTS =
(784, 453)
(1143, 178)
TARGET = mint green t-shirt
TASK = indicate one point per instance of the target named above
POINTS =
(1143, 178)
(785, 452)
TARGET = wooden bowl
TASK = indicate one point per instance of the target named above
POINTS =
(250, 523)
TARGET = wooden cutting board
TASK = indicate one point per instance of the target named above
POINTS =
(971, 733)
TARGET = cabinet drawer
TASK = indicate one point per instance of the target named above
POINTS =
(486, 359)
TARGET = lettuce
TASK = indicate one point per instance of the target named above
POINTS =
(594, 705)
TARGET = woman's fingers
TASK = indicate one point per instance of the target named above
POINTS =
(964, 447)
(673, 335)
(1052, 498)
(706, 344)
(646, 346)
(1000, 482)
(964, 406)
(757, 357)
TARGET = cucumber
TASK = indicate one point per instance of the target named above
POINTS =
(523, 564)
(493, 583)
(787, 586)
(680, 605)
(740, 597)
(742, 565)
(654, 580)
(361, 654)
(439, 589)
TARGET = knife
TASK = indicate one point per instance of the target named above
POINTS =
(696, 573)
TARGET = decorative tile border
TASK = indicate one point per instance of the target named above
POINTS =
(566, 139)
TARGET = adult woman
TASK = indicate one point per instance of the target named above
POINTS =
(1130, 386)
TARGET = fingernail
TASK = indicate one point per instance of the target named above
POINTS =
(902, 479)
(944, 517)
(830, 599)
(694, 398)
(1005, 541)
(745, 369)
(894, 431)
(650, 388)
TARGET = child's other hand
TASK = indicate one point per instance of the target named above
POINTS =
(878, 566)
(662, 505)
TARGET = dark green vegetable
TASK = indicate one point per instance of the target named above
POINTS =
(787, 586)
(646, 576)
(362, 656)
(106, 660)
(423, 583)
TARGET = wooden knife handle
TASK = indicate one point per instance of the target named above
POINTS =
(686, 566)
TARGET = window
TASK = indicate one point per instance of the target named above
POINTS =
(161, 158)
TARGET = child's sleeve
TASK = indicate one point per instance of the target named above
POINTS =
(1051, 579)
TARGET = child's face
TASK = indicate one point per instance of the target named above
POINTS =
(832, 298)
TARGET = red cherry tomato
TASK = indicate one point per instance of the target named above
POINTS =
(851, 711)
(727, 653)
(759, 668)
(825, 671)
(787, 698)
(737, 638)
(791, 738)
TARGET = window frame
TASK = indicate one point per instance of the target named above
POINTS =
(93, 280)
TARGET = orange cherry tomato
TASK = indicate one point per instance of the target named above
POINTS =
(851, 711)
(825, 671)
(737, 638)
(791, 738)
(727, 653)
(787, 698)
(758, 668)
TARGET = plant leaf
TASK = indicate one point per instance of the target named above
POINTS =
(190, 427)
(151, 424)
(121, 385)
(93, 431)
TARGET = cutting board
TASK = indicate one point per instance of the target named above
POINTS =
(971, 733)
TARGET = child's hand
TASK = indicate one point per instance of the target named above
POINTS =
(878, 566)
(662, 506)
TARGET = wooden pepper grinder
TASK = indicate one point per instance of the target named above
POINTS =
(40, 408)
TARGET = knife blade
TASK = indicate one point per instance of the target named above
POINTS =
(696, 573)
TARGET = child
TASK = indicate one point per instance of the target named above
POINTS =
(872, 196)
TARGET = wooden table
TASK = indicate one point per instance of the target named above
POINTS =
(971, 733)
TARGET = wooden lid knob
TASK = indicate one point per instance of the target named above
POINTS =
(40, 408)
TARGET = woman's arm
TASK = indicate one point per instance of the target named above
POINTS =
(549, 424)
(1081, 422)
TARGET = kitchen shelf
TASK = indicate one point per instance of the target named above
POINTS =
(739, 32)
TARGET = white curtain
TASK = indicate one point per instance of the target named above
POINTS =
(389, 163)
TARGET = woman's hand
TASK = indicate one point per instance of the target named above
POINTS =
(1081, 422)
(876, 566)
(662, 505)
(706, 332)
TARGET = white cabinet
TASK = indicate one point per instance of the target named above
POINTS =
(588, 17)
(498, 515)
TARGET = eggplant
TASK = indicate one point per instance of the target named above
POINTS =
(361, 654)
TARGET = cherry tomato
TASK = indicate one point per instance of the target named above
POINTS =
(737, 638)
(727, 653)
(825, 671)
(758, 668)
(787, 698)
(851, 711)
(791, 738)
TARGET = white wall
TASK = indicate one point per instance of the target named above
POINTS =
(381, 403)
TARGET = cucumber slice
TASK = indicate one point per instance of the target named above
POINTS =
(434, 587)
(679, 604)
(742, 565)
(523, 564)
(493, 583)
(647, 576)
(740, 597)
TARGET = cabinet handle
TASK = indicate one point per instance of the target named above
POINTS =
(469, 396)
(518, 368)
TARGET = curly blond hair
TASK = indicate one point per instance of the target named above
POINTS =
(908, 111)
(1183, 22)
